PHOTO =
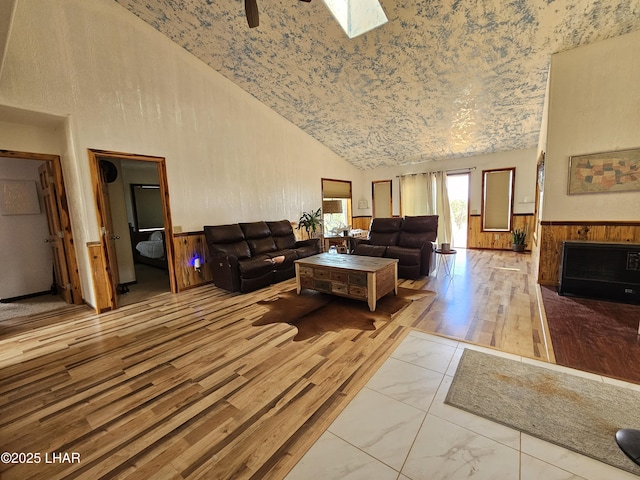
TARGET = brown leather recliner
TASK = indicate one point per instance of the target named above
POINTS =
(411, 240)
(249, 256)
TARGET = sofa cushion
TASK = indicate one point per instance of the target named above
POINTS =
(255, 230)
(280, 228)
(258, 237)
(289, 257)
(386, 225)
(427, 225)
(306, 250)
(282, 233)
(240, 250)
(413, 240)
(223, 233)
(384, 231)
(383, 238)
(259, 246)
(409, 271)
(255, 267)
(405, 256)
(370, 250)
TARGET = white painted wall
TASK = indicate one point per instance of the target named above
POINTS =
(525, 185)
(127, 88)
(21, 137)
(26, 259)
(594, 106)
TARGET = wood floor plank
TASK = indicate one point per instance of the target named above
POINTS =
(185, 386)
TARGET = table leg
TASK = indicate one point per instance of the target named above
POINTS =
(298, 284)
(395, 279)
(371, 291)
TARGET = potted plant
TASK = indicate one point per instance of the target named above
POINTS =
(519, 237)
(310, 221)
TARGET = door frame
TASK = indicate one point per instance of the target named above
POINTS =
(468, 215)
(63, 213)
(94, 164)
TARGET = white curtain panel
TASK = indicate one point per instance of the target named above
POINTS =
(414, 194)
(445, 229)
(426, 194)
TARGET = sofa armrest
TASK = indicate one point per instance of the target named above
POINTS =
(226, 272)
(311, 242)
(355, 241)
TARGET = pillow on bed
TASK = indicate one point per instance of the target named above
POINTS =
(156, 236)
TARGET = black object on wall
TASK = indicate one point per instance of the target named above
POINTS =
(109, 171)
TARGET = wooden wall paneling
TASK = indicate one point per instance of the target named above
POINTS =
(552, 234)
(499, 240)
(362, 223)
(187, 246)
(98, 265)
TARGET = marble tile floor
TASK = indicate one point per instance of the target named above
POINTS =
(398, 428)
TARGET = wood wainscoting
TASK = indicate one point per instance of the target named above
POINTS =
(362, 223)
(499, 240)
(552, 234)
(187, 246)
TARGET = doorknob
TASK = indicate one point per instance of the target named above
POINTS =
(47, 240)
(115, 237)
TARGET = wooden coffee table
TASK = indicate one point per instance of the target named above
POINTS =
(352, 276)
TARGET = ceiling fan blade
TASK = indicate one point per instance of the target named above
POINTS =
(251, 10)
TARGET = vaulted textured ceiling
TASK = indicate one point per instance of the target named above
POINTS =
(442, 79)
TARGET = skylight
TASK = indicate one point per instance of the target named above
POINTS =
(357, 16)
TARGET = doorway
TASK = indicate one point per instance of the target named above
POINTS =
(458, 189)
(38, 245)
(135, 224)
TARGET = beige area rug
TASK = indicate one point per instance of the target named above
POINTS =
(314, 313)
(576, 413)
(30, 306)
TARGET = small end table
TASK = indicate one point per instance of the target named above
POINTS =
(447, 257)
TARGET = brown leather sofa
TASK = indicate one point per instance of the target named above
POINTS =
(249, 256)
(411, 240)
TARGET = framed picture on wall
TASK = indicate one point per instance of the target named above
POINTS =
(19, 197)
(604, 172)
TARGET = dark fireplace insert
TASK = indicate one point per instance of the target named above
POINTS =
(601, 270)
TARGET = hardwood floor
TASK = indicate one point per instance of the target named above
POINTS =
(150, 281)
(184, 386)
(608, 331)
(491, 300)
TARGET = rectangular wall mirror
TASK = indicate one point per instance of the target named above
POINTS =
(497, 199)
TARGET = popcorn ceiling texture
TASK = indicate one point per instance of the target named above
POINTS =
(440, 80)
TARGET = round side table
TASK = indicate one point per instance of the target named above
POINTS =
(449, 259)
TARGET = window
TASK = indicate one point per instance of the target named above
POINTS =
(497, 199)
(147, 207)
(336, 205)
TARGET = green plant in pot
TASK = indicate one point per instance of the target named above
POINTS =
(310, 221)
(519, 237)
